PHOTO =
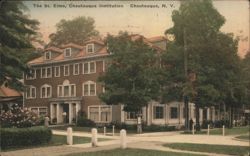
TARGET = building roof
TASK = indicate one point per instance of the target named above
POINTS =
(82, 51)
(94, 41)
(8, 92)
(55, 49)
(157, 38)
(72, 45)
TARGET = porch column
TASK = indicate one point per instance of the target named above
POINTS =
(122, 114)
(167, 113)
(148, 114)
(70, 113)
(76, 111)
(213, 113)
(201, 115)
(208, 114)
(51, 112)
(57, 113)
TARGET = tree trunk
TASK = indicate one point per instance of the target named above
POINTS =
(197, 116)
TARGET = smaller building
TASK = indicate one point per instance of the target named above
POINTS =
(9, 97)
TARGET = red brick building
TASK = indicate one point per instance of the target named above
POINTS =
(65, 81)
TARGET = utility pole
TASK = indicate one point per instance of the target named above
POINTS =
(186, 98)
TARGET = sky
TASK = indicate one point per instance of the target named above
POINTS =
(148, 22)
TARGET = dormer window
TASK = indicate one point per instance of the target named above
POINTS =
(47, 55)
(67, 52)
(90, 48)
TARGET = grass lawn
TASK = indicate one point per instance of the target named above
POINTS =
(243, 137)
(228, 131)
(83, 129)
(219, 149)
(132, 152)
(61, 139)
(88, 129)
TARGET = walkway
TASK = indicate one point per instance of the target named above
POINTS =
(142, 141)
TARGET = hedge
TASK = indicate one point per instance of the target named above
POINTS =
(20, 137)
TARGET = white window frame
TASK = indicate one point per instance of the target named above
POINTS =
(30, 91)
(58, 67)
(74, 68)
(64, 73)
(33, 75)
(65, 52)
(154, 112)
(38, 110)
(92, 47)
(45, 54)
(128, 114)
(66, 83)
(88, 83)
(99, 107)
(46, 73)
(170, 112)
(88, 63)
(46, 94)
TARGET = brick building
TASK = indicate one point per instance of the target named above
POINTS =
(65, 81)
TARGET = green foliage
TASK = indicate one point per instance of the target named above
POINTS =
(211, 55)
(18, 117)
(75, 30)
(83, 121)
(157, 128)
(19, 137)
(133, 74)
(219, 149)
(17, 31)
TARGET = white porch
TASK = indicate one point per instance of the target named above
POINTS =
(68, 108)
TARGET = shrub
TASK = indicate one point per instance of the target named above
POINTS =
(18, 117)
(220, 123)
(205, 124)
(83, 121)
(145, 128)
(158, 128)
(19, 137)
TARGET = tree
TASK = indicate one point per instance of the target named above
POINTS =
(131, 78)
(76, 30)
(16, 31)
(207, 53)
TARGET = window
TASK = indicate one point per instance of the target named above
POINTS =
(92, 67)
(131, 115)
(31, 92)
(46, 72)
(57, 71)
(105, 114)
(31, 75)
(40, 111)
(94, 114)
(66, 89)
(47, 55)
(67, 52)
(66, 70)
(46, 91)
(158, 112)
(89, 88)
(90, 48)
(101, 113)
(89, 67)
(173, 113)
(76, 69)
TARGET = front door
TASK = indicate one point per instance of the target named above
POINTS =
(65, 113)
